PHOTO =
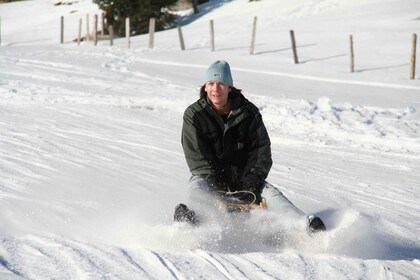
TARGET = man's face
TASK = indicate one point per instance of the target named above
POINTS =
(218, 93)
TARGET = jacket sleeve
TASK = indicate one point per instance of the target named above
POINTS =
(259, 155)
(197, 154)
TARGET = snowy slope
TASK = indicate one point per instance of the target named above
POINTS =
(91, 165)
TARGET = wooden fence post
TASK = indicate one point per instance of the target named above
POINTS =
(351, 54)
(79, 34)
(111, 35)
(413, 57)
(254, 32)
(181, 38)
(295, 56)
(195, 6)
(127, 31)
(152, 24)
(95, 30)
(103, 24)
(87, 27)
(212, 36)
(61, 30)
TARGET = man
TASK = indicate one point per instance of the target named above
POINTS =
(227, 149)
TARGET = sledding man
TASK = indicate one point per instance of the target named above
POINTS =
(227, 149)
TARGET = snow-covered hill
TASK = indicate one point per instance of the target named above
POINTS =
(91, 165)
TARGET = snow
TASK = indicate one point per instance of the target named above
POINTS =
(91, 164)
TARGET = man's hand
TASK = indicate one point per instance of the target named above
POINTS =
(254, 183)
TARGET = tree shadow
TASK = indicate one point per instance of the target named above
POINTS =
(204, 9)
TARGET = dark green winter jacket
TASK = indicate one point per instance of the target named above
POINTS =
(231, 155)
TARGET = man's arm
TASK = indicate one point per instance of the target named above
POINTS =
(259, 156)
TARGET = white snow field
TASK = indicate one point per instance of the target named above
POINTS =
(91, 165)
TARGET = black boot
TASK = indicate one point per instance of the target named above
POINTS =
(183, 214)
(315, 225)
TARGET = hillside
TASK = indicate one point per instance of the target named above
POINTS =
(91, 164)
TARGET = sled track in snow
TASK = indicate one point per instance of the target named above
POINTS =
(71, 259)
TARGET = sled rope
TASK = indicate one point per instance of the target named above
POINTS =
(230, 193)
(244, 206)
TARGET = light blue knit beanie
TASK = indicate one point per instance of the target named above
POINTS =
(219, 71)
